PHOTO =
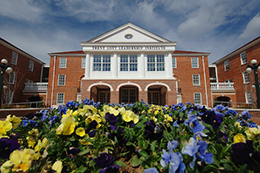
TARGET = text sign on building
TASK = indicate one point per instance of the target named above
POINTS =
(128, 47)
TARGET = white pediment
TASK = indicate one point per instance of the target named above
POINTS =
(128, 33)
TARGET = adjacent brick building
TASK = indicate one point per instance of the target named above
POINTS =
(26, 69)
(129, 64)
(231, 69)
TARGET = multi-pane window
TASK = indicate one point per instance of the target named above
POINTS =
(11, 77)
(14, 58)
(196, 79)
(61, 79)
(128, 63)
(248, 97)
(154, 97)
(104, 97)
(83, 62)
(128, 95)
(243, 58)
(31, 64)
(60, 98)
(174, 62)
(63, 62)
(9, 97)
(194, 62)
(246, 77)
(197, 98)
(226, 65)
(101, 63)
(155, 62)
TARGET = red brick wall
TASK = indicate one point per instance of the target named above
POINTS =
(184, 73)
(236, 70)
(73, 73)
(21, 71)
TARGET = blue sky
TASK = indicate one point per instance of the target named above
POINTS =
(40, 27)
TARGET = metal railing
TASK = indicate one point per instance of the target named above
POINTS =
(35, 104)
(222, 86)
(241, 105)
(38, 86)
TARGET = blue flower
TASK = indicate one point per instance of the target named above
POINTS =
(151, 170)
(44, 117)
(172, 145)
(70, 104)
(176, 163)
(252, 125)
(220, 107)
(203, 154)
(246, 115)
(231, 112)
(194, 124)
(62, 109)
(53, 120)
(165, 158)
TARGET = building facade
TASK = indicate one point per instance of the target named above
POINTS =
(26, 69)
(231, 71)
(129, 64)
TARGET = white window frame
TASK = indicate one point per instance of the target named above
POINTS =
(243, 58)
(9, 97)
(63, 64)
(194, 62)
(83, 62)
(126, 65)
(60, 98)
(248, 96)
(14, 58)
(156, 64)
(61, 79)
(226, 65)
(104, 65)
(194, 79)
(11, 80)
(196, 99)
(174, 62)
(129, 95)
(246, 77)
(151, 99)
(31, 65)
(106, 98)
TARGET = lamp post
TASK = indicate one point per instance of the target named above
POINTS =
(249, 70)
(7, 69)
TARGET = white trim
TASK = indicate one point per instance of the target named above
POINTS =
(223, 93)
(198, 66)
(205, 81)
(53, 78)
(243, 75)
(63, 99)
(193, 80)
(60, 62)
(128, 83)
(240, 55)
(175, 62)
(59, 79)
(200, 97)
(100, 83)
(157, 83)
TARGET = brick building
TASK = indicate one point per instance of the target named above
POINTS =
(129, 64)
(231, 71)
(26, 69)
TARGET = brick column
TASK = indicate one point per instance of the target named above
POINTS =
(143, 96)
(171, 97)
(114, 96)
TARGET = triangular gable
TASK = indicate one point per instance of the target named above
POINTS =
(123, 32)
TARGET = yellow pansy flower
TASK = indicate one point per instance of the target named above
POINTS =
(113, 111)
(57, 166)
(34, 132)
(21, 159)
(4, 168)
(135, 118)
(154, 119)
(253, 134)
(80, 131)
(239, 138)
(237, 124)
(127, 116)
(75, 113)
(14, 120)
(67, 127)
(41, 144)
(30, 142)
(5, 126)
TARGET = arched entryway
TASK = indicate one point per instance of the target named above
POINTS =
(224, 100)
(100, 93)
(128, 94)
(156, 95)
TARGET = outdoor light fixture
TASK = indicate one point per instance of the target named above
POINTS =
(249, 70)
(7, 69)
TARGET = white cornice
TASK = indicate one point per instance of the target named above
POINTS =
(67, 55)
(19, 51)
(190, 54)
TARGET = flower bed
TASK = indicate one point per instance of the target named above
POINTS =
(89, 137)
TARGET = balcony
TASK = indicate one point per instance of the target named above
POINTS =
(222, 87)
(37, 87)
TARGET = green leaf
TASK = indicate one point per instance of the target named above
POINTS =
(228, 167)
(135, 161)
(120, 163)
(81, 169)
(84, 152)
(208, 126)
(130, 143)
(92, 163)
(143, 143)
(153, 145)
(144, 154)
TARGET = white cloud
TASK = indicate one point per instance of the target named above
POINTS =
(20, 10)
(252, 28)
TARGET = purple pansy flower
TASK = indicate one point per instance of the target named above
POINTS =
(105, 162)
(112, 120)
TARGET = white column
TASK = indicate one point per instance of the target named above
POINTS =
(168, 66)
(141, 66)
(114, 65)
(87, 67)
